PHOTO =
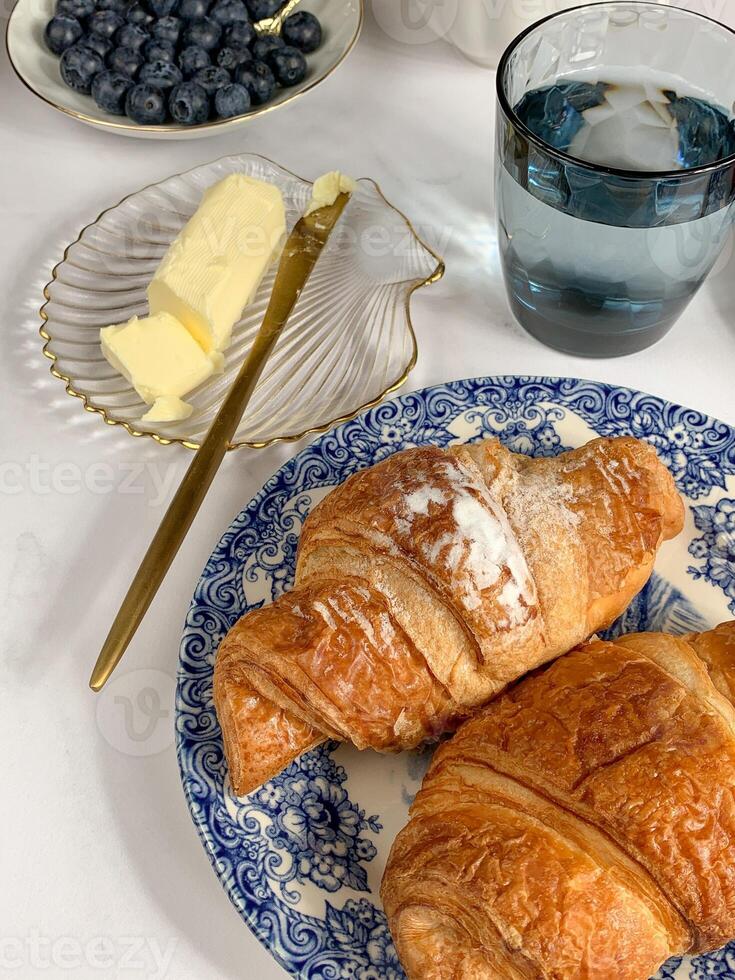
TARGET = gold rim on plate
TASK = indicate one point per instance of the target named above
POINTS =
(214, 126)
(89, 404)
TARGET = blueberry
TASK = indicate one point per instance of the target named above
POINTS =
(193, 9)
(230, 58)
(125, 61)
(212, 78)
(205, 32)
(79, 65)
(137, 14)
(163, 8)
(131, 36)
(61, 32)
(154, 50)
(258, 79)
(119, 6)
(109, 89)
(231, 100)
(96, 42)
(260, 9)
(167, 29)
(189, 104)
(289, 66)
(227, 12)
(264, 46)
(146, 104)
(162, 74)
(75, 8)
(193, 58)
(240, 35)
(302, 30)
(105, 22)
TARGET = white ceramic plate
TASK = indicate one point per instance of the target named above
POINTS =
(348, 342)
(38, 69)
(302, 857)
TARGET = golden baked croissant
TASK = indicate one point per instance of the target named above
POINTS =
(582, 826)
(429, 582)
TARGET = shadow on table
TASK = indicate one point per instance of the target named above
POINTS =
(162, 848)
(57, 628)
(720, 284)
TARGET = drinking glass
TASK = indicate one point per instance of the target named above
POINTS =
(615, 171)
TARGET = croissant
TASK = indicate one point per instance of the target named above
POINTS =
(430, 581)
(582, 826)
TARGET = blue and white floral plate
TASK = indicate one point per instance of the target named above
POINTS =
(302, 858)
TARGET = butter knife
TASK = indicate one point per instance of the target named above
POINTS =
(300, 254)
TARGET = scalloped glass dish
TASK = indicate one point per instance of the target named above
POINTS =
(349, 341)
(38, 69)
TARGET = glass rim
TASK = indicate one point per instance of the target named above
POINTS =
(650, 175)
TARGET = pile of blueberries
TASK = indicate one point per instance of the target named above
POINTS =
(183, 60)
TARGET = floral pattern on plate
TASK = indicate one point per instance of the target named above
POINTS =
(715, 549)
(302, 857)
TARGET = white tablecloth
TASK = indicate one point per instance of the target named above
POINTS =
(102, 872)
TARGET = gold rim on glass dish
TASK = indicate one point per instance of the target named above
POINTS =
(26, 63)
(349, 343)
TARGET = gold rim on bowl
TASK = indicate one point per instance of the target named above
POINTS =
(214, 126)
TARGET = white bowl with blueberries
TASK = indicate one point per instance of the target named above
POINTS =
(172, 69)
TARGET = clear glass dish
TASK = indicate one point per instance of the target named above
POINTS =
(349, 342)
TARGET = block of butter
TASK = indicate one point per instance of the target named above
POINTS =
(168, 408)
(327, 187)
(161, 360)
(213, 268)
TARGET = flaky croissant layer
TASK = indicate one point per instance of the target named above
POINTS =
(428, 583)
(582, 826)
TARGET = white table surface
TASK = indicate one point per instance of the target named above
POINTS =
(102, 872)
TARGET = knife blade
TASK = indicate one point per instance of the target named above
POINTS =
(300, 254)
